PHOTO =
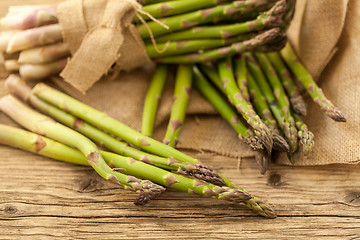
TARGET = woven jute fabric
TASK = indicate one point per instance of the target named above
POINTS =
(100, 36)
(325, 36)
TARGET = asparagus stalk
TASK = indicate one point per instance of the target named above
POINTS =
(18, 87)
(225, 110)
(281, 98)
(243, 107)
(34, 37)
(113, 126)
(306, 138)
(188, 46)
(44, 146)
(263, 109)
(149, 2)
(269, 19)
(259, 42)
(31, 19)
(44, 54)
(43, 125)
(41, 71)
(310, 85)
(152, 99)
(119, 129)
(166, 8)
(267, 92)
(202, 16)
(181, 98)
(5, 39)
(12, 65)
(296, 100)
(241, 76)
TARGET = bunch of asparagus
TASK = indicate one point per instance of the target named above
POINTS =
(191, 32)
(264, 101)
(65, 129)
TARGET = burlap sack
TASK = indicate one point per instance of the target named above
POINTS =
(99, 34)
(325, 34)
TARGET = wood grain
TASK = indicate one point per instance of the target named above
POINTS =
(45, 199)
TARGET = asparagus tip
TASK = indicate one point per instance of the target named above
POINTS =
(207, 174)
(298, 105)
(280, 143)
(336, 115)
(263, 161)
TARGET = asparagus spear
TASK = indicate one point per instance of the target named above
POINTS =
(149, 2)
(34, 37)
(263, 109)
(259, 42)
(243, 107)
(225, 110)
(31, 19)
(12, 65)
(267, 92)
(43, 125)
(188, 46)
(41, 71)
(152, 99)
(310, 85)
(112, 126)
(306, 138)
(5, 39)
(296, 100)
(181, 98)
(202, 16)
(165, 9)
(16, 86)
(44, 146)
(44, 54)
(269, 19)
(281, 98)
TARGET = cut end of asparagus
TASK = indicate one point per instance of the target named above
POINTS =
(336, 115)
(207, 174)
(280, 143)
(263, 161)
(16, 86)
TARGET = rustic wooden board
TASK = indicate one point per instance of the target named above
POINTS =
(45, 199)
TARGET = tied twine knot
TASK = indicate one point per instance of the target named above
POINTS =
(100, 36)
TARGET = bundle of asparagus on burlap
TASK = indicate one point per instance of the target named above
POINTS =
(185, 32)
(264, 91)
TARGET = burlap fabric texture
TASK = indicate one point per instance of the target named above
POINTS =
(325, 35)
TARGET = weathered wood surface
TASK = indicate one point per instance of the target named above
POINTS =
(45, 199)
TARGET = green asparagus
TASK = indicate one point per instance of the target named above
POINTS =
(152, 99)
(43, 125)
(178, 110)
(310, 85)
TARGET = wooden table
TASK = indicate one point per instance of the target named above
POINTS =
(45, 199)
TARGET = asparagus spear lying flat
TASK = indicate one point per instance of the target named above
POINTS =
(17, 87)
(43, 125)
(310, 85)
(178, 110)
(47, 147)
(112, 126)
